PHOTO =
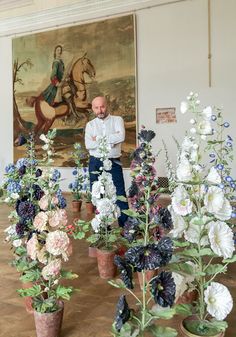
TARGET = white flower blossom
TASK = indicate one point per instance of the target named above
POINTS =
(183, 107)
(107, 164)
(96, 223)
(17, 243)
(204, 127)
(181, 202)
(225, 212)
(179, 224)
(221, 239)
(193, 233)
(207, 113)
(218, 300)
(184, 170)
(214, 199)
(105, 207)
(213, 176)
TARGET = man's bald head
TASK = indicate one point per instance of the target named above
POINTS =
(99, 107)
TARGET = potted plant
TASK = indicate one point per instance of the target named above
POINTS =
(104, 199)
(76, 186)
(149, 250)
(201, 213)
(43, 243)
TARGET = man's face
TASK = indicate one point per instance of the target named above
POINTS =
(99, 107)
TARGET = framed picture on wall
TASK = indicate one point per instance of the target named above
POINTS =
(57, 73)
(165, 115)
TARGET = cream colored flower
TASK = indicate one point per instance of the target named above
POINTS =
(204, 127)
(207, 113)
(225, 212)
(213, 176)
(179, 224)
(183, 107)
(221, 239)
(214, 199)
(181, 202)
(218, 300)
(194, 232)
(184, 170)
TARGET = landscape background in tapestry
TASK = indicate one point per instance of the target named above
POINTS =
(109, 46)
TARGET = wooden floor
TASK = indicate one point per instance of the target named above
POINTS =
(90, 313)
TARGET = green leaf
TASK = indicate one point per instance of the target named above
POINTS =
(68, 275)
(159, 331)
(181, 244)
(31, 275)
(182, 268)
(215, 268)
(183, 309)
(121, 198)
(162, 313)
(21, 251)
(189, 252)
(79, 235)
(130, 213)
(64, 292)
(33, 291)
(220, 325)
(206, 252)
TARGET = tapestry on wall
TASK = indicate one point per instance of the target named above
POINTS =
(57, 73)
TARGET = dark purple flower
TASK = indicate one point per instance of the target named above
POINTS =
(20, 228)
(158, 233)
(38, 172)
(165, 218)
(38, 192)
(165, 247)
(144, 257)
(133, 190)
(25, 210)
(22, 170)
(146, 135)
(131, 229)
(21, 140)
(163, 289)
(125, 271)
(122, 313)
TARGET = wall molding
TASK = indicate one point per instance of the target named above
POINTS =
(75, 13)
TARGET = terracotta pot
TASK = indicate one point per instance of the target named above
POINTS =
(188, 297)
(28, 299)
(186, 333)
(92, 251)
(49, 324)
(106, 266)
(76, 205)
(89, 208)
(149, 274)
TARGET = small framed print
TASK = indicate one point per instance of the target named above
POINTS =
(165, 115)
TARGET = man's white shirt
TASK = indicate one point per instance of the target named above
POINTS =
(112, 127)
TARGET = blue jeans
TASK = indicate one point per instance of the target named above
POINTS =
(118, 180)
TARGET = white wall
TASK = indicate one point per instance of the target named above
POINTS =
(172, 60)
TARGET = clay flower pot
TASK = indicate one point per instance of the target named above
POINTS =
(49, 324)
(149, 274)
(106, 266)
(92, 251)
(89, 208)
(28, 299)
(76, 205)
(186, 333)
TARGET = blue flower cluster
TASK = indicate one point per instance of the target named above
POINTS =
(61, 199)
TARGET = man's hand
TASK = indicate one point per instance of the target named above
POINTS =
(94, 138)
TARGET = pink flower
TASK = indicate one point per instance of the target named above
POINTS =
(32, 247)
(52, 269)
(45, 200)
(40, 221)
(41, 255)
(58, 243)
(58, 218)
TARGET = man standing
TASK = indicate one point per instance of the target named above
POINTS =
(113, 128)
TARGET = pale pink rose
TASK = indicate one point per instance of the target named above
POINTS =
(44, 202)
(52, 269)
(32, 247)
(40, 221)
(58, 243)
(58, 218)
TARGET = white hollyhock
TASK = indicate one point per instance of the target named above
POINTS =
(213, 176)
(105, 207)
(204, 127)
(96, 223)
(207, 113)
(107, 164)
(184, 170)
(225, 212)
(221, 239)
(97, 189)
(181, 202)
(193, 233)
(218, 300)
(183, 107)
(187, 144)
(214, 199)
(179, 224)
